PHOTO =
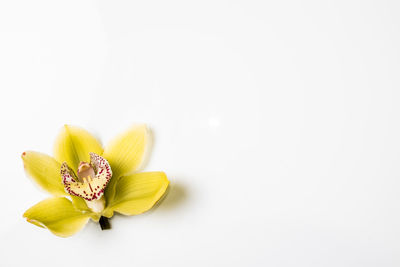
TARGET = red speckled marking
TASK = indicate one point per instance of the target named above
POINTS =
(96, 184)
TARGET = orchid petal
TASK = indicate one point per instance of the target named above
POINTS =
(125, 154)
(58, 215)
(45, 171)
(74, 144)
(138, 193)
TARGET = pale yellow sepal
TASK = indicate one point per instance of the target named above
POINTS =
(58, 215)
(45, 171)
(125, 154)
(73, 145)
(138, 193)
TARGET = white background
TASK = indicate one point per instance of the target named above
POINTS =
(277, 123)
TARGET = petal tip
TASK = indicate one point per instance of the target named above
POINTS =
(65, 128)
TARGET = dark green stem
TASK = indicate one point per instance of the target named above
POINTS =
(104, 223)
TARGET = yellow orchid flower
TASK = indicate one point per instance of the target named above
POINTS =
(89, 182)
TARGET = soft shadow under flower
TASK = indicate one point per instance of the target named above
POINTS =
(175, 195)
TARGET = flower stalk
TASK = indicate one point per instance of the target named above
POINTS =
(104, 223)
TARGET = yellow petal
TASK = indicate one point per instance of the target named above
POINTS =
(45, 171)
(137, 193)
(74, 144)
(125, 154)
(58, 215)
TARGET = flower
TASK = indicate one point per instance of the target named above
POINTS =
(89, 182)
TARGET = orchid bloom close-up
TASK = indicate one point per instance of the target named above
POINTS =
(86, 181)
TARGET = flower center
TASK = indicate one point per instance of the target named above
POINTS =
(91, 179)
(85, 171)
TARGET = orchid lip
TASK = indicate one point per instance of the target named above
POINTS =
(91, 179)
